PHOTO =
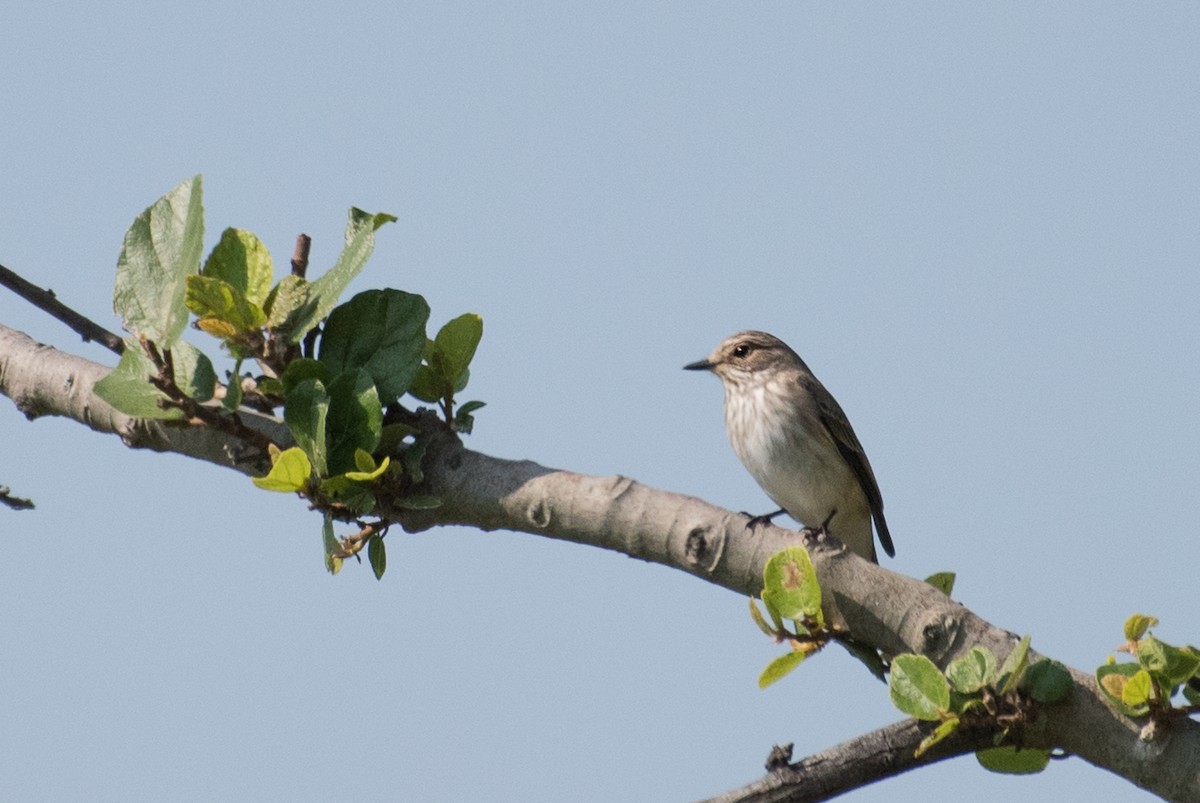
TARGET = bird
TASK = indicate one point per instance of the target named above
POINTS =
(793, 438)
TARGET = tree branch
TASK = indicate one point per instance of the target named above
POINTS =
(855, 763)
(14, 502)
(892, 612)
(46, 300)
(44, 381)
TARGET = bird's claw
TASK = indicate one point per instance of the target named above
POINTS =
(757, 521)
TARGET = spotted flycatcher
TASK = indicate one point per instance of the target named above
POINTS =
(795, 440)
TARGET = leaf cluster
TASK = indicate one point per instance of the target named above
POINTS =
(792, 598)
(1159, 673)
(341, 391)
(976, 691)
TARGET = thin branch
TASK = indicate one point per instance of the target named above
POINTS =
(855, 763)
(45, 300)
(14, 502)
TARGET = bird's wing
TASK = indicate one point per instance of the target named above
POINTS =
(839, 429)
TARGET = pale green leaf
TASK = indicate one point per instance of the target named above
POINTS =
(971, 672)
(332, 546)
(942, 581)
(790, 585)
(918, 688)
(1137, 625)
(127, 388)
(243, 261)
(1013, 666)
(780, 667)
(162, 248)
(944, 729)
(291, 472)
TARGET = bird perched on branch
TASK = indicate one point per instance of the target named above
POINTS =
(796, 442)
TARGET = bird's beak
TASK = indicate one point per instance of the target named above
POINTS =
(699, 365)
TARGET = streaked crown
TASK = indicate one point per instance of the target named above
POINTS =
(749, 356)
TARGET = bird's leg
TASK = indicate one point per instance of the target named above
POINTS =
(829, 518)
(757, 521)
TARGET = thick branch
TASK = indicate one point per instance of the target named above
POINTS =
(44, 381)
(893, 612)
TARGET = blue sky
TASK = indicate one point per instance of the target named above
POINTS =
(977, 225)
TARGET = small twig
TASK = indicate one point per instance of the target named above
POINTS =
(300, 255)
(353, 544)
(197, 413)
(45, 300)
(14, 502)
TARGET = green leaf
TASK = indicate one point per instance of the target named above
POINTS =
(456, 343)
(223, 310)
(377, 555)
(1191, 694)
(1112, 679)
(360, 242)
(372, 474)
(381, 331)
(780, 667)
(291, 472)
(464, 421)
(233, 391)
(973, 671)
(1047, 681)
(363, 461)
(427, 385)
(194, 373)
(1138, 690)
(412, 457)
(418, 502)
(241, 260)
(757, 616)
(944, 729)
(162, 248)
(1171, 665)
(1013, 666)
(349, 492)
(128, 388)
(918, 688)
(291, 308)
(393, 437)
(355, 419)
(790, 585)
(942, 581)
(1012, 761)
(301, 369)
(332, 546)
(305, 411)
(1137, 625)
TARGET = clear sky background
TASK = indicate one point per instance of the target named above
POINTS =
(978, 225)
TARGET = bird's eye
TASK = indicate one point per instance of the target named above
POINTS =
(742, 349)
